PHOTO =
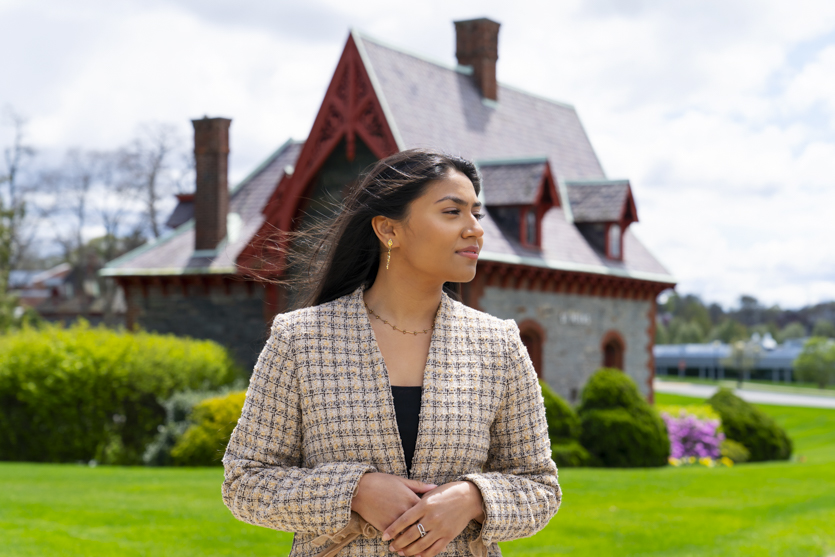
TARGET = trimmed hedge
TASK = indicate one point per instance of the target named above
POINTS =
(82, 393)
(563, 423)
(569, 454)
(563, 430)
(620, 428)
(748, 425)
(204, 443)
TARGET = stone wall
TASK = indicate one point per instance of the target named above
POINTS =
(574, 330)
(234, 319)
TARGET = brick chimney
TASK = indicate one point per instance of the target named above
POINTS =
(211, 198)
(477, 45)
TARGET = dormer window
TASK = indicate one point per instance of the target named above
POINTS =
(613, 242)
(518, 193)
(602, 210)
(531, 226)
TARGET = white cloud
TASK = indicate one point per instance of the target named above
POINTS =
(720, 112)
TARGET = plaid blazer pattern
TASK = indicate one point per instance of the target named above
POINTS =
(319, 414)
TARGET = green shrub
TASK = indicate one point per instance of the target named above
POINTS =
(747, 424)
(204, 443)
(735, 451)
(178, 409)
(569, 454)
(81, 393)
(610, 388)
(563, 422)
(620, 428)
(563, 430)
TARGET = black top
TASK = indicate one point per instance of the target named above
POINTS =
(407, 411)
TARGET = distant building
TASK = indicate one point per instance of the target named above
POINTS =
(559, 256)
(58, 294)
(707, 361)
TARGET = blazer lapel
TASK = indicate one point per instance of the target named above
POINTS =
(376, 376)
(432, 388)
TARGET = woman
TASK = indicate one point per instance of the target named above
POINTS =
(385, 416)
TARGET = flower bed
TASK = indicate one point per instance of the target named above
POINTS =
(695, 435)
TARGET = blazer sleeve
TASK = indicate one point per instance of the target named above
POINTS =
(264, 481)
(519, 482)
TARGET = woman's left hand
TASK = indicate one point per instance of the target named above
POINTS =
(443, 512)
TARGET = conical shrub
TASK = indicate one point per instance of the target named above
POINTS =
(618, 427)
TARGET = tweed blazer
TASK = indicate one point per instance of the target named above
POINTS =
(319, 413)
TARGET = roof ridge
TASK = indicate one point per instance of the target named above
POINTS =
(597, 182)
(457, 68)
(507, 161)
(378, 90)
(266, 162)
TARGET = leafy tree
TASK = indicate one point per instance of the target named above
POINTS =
(790, 331)
(823, 328)
(689, 333)
(816, 363)
(766, 328)
(728, 331)
(717, 314)
(750, 310)
(662, 336)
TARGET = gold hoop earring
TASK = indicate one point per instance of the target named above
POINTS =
(389, 255)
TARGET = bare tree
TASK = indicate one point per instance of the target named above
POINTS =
(116, 212)
(13, 194)
(73, 182)
(157, 162)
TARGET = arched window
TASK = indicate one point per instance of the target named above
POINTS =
(613, 348)
(533, 337)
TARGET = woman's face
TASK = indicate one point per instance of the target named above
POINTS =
(441, 237)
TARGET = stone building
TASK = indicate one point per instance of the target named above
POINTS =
(559, 256)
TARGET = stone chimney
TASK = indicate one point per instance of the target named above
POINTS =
(477, 45)
(211, 198)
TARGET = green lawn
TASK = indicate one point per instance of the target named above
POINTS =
(754, 509)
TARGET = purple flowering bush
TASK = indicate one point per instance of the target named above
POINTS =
(693, 436)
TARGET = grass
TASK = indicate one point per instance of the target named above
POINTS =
(73, 510)
(785, 508)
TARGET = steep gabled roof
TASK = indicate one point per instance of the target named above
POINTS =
(173, 253)
(601, 201)
(433, 105)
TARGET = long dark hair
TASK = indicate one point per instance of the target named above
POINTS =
(346, 252)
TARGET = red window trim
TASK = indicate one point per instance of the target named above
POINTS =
(608, 246)
(609, 337)
(531, 328)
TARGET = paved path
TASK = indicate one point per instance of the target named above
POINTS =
(759, 397)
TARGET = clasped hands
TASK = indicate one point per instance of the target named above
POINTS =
(394, 506)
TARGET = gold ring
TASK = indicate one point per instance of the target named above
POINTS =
(421, 530)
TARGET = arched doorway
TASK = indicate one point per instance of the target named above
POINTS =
(613, 348)
(533, 337)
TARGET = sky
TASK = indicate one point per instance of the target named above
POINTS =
(720, 113)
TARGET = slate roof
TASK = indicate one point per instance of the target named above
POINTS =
(597, 201)
(511, 182)
(438, 106)
(173, 253)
